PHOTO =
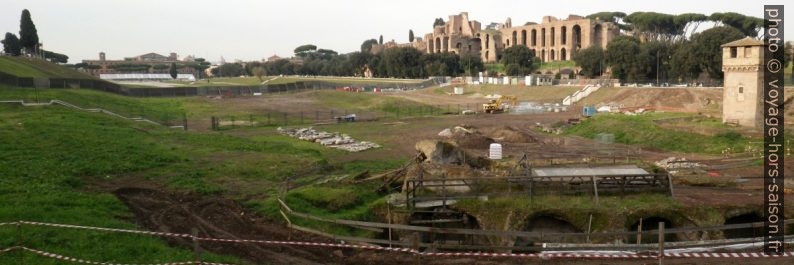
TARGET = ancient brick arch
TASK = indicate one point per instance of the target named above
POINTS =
(597, 32)
(564, 35)
(553, 37)
(534, 37)
(576, 37)
(524, 37)
(515, 37)
(563, 56)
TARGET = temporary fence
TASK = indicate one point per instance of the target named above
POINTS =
(549, 253)
(95, 110)
(334, 115)
(389, 228)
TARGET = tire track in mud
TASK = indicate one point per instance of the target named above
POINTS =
(215, 217)
(219, 218)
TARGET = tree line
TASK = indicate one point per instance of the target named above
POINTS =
(399, 62)
(28, 42)
(629, 59)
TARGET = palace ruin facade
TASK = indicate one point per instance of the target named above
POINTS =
(551, 40)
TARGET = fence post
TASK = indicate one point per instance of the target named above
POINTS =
(661, 243)
(19, 243)
(589, 226)
(595, 189)
(196, 249)
(639, 233)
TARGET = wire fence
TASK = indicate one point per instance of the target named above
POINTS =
(334, 115)
(570, 253)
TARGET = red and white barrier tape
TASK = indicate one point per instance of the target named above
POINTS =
(106, 229)
(417, 252)
(727, 255)
(9, 223)
(83, 261)
(7, 249)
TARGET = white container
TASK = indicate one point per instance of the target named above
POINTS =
(495, 151)
(458, 90)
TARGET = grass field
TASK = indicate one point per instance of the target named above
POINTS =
(275, 80)
(48, 154)
(29, 67)
(549, 94)
(500, 68)
(641, 130)
(554, 65)
(51, 155)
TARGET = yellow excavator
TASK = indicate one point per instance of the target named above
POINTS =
(498, 105)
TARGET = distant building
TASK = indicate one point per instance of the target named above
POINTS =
(273, 58)
(156, 64)
(551, 40)
(743, 92)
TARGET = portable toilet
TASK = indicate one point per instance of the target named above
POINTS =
(495, 151)
(588, 111)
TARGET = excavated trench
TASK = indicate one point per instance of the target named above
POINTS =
(548, 225)
(651, 223)
(744, 232)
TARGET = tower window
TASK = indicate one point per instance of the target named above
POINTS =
(733, 52)
(741, 89)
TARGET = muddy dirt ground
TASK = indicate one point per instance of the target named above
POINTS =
(159, 210)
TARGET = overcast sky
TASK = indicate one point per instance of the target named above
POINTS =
(252, 30)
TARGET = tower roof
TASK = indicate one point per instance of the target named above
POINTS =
(747, 41)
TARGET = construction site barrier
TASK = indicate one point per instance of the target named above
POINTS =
(559, 254)
(83, 261)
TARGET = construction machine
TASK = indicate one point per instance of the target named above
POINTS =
(500, 104)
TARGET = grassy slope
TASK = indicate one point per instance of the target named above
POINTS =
(47, 153)
(366, 101)
(29, 67)
(500, 68)
(161, 109)
(60, 149)
(576, 210)
(643, 131)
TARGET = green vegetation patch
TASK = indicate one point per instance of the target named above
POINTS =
(643, 131)
(30, 67)
(370, 101)
(47, 154)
